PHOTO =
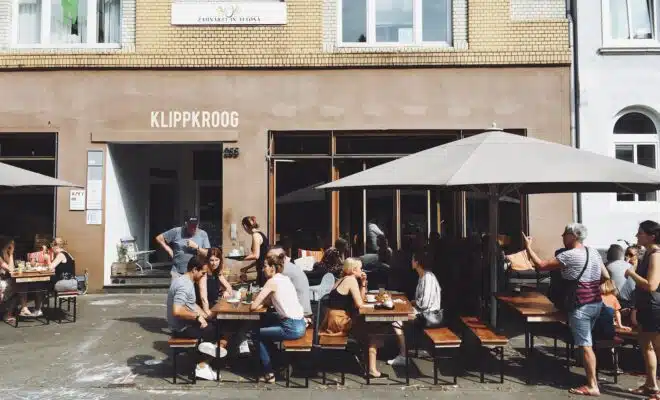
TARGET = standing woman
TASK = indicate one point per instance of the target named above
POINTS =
(647, 304)
(212, 285)
(258, 249)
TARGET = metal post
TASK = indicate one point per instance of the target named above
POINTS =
(493, 229)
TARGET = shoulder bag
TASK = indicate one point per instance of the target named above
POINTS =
(570, 297)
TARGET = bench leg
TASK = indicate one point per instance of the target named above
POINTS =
(435, 366)
(481, 366)
(287, 373)
(616, 365)
(174, 354)
(75, 308)
(457, 364)
(501, 351)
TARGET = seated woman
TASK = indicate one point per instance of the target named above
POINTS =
(214, 284)
(332, 261)
(6, 293)
(7, 256)
(343, 305)
(64, 280)
(428, 313)
(280, 292)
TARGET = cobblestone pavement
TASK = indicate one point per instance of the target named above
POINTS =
(118, 350)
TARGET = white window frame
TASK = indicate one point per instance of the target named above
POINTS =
(92, 25)
(637, 140)
(417, 28)
(608, 41)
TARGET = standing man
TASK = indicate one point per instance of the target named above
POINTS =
(183, 243)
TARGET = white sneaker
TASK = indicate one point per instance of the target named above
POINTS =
(206, 372)
(244, 348)
(397, 361)
(211, 349)
(38, 313)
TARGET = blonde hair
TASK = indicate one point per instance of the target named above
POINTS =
(608, 287)
(350, 264)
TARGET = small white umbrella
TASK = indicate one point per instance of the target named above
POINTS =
(497, 163)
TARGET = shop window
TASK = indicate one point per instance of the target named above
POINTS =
(302, 213)
(392, 143)
(396, 22)
(67, 23)
(636, 141)
(301, 143)
(28, 212)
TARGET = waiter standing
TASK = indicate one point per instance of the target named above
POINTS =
(183, 243)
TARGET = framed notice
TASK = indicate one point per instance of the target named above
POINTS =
(77, 200)
(94, 179)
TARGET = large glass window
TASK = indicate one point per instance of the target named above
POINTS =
(403, 22)
(68, 22)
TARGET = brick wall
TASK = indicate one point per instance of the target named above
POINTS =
(498, 32)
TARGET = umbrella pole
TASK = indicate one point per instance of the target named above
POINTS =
(493, 211)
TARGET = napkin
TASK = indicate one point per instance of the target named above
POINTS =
(399, 301)
(368, 305)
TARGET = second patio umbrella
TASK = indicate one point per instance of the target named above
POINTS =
(498, 163)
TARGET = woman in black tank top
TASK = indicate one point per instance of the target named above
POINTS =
(259, 248)
(647, 302)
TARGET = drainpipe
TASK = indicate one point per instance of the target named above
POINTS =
(571, 15)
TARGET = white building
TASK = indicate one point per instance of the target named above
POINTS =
(617, 56)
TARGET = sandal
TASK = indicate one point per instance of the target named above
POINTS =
(644, 391)
(10, 320)
(25, 313)
(583, 391)
(268, 378)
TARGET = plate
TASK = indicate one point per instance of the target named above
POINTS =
(232, 301)
(374, 291)
(246, 302)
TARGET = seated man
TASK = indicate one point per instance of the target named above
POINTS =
(186, 319)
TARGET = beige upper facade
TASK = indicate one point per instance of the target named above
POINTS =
(482, 32)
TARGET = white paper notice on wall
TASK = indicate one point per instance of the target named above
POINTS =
(94, 217)
(77, 200)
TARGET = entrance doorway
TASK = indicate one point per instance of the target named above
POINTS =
(150, 188)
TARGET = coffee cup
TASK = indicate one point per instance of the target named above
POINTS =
(371, 298)
(389, 303)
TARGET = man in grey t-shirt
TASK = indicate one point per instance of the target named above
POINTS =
(187, 320)
(616, 266)
(184, 242)
(298, 278)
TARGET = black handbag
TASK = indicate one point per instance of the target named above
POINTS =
(570, 302)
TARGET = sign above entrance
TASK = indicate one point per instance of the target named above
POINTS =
(229, 13)
(173, 119)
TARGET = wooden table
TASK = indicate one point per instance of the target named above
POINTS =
(533, 308)
(241, 312)
(402, 312)
(28, 282)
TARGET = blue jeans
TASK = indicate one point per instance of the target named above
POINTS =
(582, 321)
(285, 329)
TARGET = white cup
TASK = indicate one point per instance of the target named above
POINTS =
(389, 303)
(371, 298)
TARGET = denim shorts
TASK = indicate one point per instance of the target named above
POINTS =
(582, 321)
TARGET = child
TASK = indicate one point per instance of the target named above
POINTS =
(608, 294)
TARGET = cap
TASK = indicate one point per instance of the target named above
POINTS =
(192, 220)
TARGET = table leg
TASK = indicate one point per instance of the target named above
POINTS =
(528, 360)
(406, 341)
(217, 351)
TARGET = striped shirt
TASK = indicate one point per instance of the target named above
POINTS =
(588, 290)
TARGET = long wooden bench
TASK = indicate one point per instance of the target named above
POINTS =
(68, 297)
(443, 338)
(488, 340)
(304, 345)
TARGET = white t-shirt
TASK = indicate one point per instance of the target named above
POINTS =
(285, 298)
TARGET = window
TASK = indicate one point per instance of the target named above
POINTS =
(395, 22)
(631, 22)
(67, 23)
(636, 141)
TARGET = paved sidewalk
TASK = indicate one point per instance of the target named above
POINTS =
(118, 350)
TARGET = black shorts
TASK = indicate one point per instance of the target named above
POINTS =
(649, 320)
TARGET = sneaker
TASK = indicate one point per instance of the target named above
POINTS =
(211, 349)
(38, 313)
(397, 361)
(244, 348)
(206, 372)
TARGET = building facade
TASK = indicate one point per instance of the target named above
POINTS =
(164, 108)
(618, 61)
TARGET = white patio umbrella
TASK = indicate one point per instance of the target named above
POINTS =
(18, 177)
(497, 163)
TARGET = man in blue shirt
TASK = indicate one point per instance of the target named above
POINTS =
(183, 243)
